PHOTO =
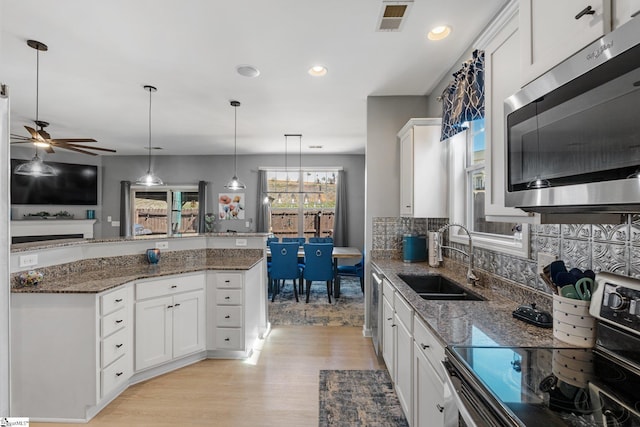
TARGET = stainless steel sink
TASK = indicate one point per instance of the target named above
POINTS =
(436, 287)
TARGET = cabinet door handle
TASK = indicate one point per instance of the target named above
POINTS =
(119, 373)
(227, 317)
(169, 306)
(439, 407)
(227, 297)
(119, 345)
(394, 325)
(177, 305)
(424, 346)
(586, 11)
(174, 286)
(227, 281)
(119, 300)
(227, 339)
(119, 321)
(390, 318)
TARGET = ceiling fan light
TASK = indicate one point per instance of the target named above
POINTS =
(35, 167)
(42, 144)
(149, 179)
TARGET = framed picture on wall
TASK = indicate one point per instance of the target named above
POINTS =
(231, 206)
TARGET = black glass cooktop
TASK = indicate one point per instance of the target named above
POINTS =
(556, 386)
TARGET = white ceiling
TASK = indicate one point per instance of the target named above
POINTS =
(101, 53)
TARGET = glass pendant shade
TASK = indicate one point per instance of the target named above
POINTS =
(149, 179)
(235, 184)
(35, 167)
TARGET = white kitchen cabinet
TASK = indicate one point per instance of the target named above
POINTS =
(550, 32)
(388, 337)
(170, 319)
(623, 11)
(502, 80)
(404, 354)
(430, 408)
(423, 166)
(234, 307)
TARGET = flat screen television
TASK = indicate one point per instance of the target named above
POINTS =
(73, 185)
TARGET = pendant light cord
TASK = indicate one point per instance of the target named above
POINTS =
(37, 82)
(235, 143)
(149, 168)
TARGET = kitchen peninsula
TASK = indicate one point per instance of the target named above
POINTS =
(103, 318)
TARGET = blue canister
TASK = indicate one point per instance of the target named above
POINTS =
(414, 248)
(91, 214)
(153, 255)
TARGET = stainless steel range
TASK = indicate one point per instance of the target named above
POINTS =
(541, 386)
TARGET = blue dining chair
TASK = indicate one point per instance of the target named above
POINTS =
(356, 270)
(320, 239)
(270, 240)
(284, 266)
(318, 262)
(301, 241)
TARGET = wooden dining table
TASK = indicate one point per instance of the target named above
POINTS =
(339, 252)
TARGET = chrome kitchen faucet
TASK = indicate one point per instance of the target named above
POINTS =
(472, 279)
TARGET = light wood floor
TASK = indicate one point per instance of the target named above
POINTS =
(276, 387)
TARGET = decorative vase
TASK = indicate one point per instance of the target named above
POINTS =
(153, 256)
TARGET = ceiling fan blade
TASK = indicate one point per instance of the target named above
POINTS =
(32, 131)
(73, 140)
(49, 149)
(64, 145)
(44, 134)
(21, 141)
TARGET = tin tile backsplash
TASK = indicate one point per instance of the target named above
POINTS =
(601, 247)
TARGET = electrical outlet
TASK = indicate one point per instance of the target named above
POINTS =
(247, 224)
(162, 245)
(28, 260)
(241, 242)
(115, 223)
(109, 218)
(544, 259)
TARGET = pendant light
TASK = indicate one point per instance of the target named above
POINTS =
(149, 179)
(235, 184)
(36, 167)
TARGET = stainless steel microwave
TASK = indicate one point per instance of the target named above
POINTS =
(573, 135)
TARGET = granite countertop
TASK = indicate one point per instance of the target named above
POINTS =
(47, 244)
(488, 323)
(103, 279)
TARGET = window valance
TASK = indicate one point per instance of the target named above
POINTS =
(463, 99)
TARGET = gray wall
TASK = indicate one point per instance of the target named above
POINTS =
(217, 170)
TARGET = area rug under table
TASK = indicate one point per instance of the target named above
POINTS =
(358, 398)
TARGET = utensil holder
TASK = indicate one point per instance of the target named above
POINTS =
(572, 322)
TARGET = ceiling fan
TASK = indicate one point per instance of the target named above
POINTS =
(40, 137)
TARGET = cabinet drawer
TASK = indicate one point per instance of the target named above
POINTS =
(387, 290)
(229, 296)
(115, 375)
(404, 312)
(228, 280)
(429, 345)
(169, 286)
(113, 300)
(229, 338)
(114, 347)
(228, 316)
(114, 321)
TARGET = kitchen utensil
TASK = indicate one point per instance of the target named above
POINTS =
(590, 274)
(569, 291)
(564, 278)
(583, 288)
(557, 267)
(577, 273)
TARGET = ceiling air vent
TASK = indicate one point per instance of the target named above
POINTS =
(393, 15)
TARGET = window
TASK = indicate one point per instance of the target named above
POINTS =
(164, 211)
(302, 207)
(467, 198)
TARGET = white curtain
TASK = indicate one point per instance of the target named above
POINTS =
(340, 231)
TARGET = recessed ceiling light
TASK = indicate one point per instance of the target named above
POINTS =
(318, 70)
(248, 70)
(153, 148)
(315, 147)
(439, 33)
